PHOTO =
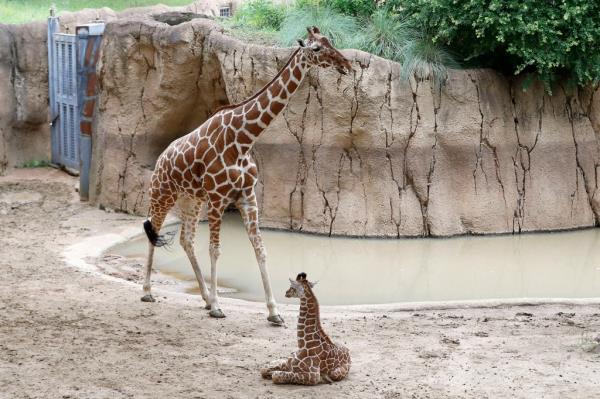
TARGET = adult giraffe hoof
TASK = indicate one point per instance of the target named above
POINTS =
(276, 320)
(148, 298)
(207, 306)
(216, 313)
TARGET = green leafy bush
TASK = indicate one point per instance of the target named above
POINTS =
(260, 14)
(360, 8)
(349, 24)
(549, 37)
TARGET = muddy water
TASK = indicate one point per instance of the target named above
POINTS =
(368, 271)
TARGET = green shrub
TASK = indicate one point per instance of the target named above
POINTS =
(260, 14)
(341, 29)
(360, 8)
(381, 32)
(549, 37)
(35, 163)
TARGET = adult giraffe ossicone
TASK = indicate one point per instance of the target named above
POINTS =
(213, 164)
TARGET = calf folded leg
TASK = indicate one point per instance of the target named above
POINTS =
(301, 378)
(277, 365)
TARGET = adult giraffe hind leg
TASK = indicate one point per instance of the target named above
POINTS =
(189, 212)
(249, 211)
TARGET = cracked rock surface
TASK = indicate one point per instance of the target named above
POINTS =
(365, 154)
(24, 109)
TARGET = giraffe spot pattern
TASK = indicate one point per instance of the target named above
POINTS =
(213, 164)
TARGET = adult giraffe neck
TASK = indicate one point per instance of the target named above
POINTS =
(259, 111)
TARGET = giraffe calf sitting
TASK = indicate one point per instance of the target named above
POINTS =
(317, 358)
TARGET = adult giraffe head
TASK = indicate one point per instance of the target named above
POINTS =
(320, 52)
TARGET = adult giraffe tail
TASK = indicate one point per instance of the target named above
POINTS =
(156, 239)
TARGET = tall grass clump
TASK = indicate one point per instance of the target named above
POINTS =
(424, 59)
(385, 35)
(391, 36)
(342, 30)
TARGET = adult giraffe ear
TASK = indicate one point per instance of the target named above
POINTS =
(301, 42)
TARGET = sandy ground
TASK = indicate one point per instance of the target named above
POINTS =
(69, 333)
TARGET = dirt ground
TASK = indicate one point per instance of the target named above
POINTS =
(69, 333)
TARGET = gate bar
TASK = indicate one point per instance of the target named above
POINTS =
(89, 38)
(53, 27)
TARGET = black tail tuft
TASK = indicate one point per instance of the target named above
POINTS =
(154, 238)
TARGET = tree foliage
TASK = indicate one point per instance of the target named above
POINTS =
(549, 37)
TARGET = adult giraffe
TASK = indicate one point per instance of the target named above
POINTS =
(213, 164)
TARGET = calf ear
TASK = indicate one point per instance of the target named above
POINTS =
(312, 284)
(301, 42)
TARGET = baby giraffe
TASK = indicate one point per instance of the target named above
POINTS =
(317, 358)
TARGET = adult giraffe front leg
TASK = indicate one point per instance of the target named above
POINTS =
(215, 216)
(249, 211)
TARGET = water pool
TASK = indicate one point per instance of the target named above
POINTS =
(373, 271)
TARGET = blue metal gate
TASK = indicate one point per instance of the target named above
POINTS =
(72, 84)
(62, 61)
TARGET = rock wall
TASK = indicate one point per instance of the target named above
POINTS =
(24, 131)
(365, 154)
(24, 113)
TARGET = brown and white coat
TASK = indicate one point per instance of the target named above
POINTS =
(317, 358)
(212, 165)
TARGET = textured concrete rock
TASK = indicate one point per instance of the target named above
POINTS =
(24, 114)
(366, 154)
